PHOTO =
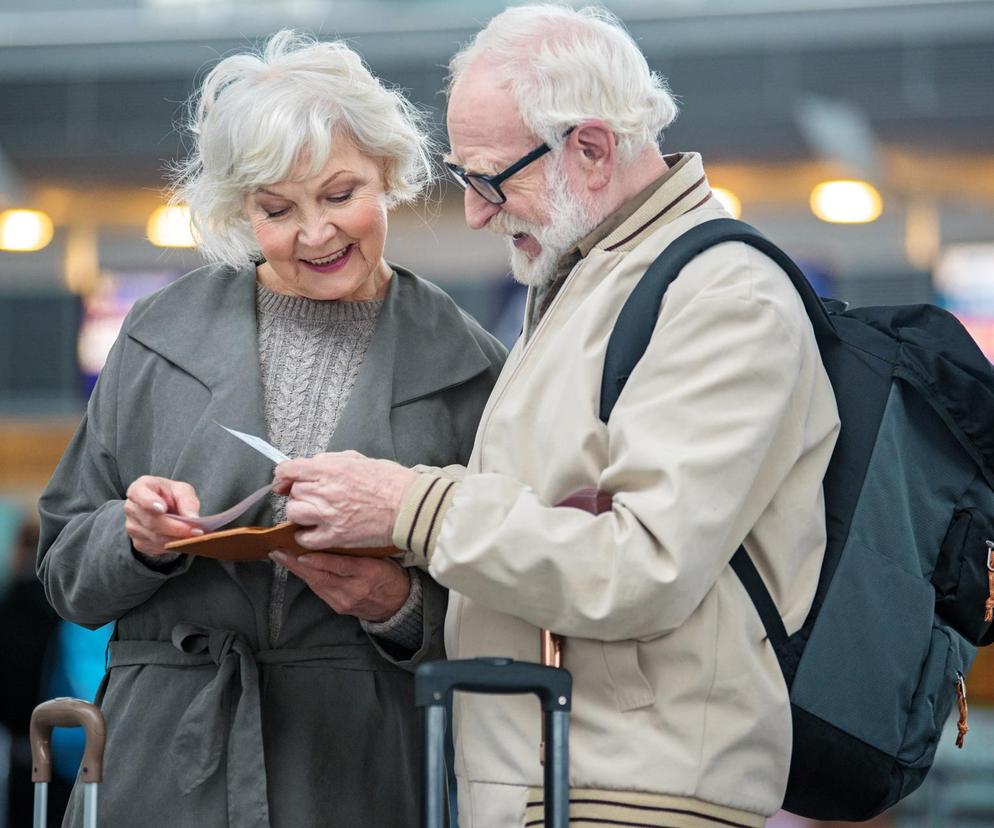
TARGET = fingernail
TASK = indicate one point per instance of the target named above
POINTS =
(305, 559)
(277, 556)
(196, 531)
(159, 507)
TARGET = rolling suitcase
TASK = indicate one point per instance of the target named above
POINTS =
(67, 713)
(434, 684)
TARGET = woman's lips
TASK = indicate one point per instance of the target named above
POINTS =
(332, 266)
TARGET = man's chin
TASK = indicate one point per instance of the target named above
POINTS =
(531, 272)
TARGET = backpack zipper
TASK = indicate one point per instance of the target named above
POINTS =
(989, 603)
(961, 725)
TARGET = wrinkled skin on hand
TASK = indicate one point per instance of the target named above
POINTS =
(372, 589)
(146, 521)
(345, 499)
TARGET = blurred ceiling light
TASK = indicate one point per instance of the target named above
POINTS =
(82, 264)
(846, 202)
(24, 231)
(169, 226)
(922, 235)
(729, 201)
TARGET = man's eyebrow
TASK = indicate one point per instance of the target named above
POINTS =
(483, 168)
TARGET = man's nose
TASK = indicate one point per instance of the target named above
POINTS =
(479, 211)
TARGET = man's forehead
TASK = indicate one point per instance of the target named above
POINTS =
(483, 122)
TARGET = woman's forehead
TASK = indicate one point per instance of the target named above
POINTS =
(344, 160)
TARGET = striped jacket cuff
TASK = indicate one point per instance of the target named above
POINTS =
(419, 519)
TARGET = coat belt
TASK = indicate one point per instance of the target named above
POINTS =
(204, 731)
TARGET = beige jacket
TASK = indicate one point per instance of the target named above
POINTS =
(722, 434)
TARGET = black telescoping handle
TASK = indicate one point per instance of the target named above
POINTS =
(435, 681)
(434, 684)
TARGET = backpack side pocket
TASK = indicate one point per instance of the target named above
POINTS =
(960, 577)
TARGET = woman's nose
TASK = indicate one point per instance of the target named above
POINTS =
(316, 230)
(479, 211)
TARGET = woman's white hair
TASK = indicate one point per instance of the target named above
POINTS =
(565, 65)
(259, 115)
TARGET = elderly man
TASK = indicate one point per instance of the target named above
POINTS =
(721, 437)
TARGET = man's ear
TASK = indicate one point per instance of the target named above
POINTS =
(596, 152)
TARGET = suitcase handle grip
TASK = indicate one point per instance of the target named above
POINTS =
(67, 713)
(436, 680)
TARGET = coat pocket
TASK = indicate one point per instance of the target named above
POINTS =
(631, 688)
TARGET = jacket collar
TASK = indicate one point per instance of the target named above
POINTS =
(682, 188)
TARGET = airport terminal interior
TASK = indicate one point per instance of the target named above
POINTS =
(857, 134)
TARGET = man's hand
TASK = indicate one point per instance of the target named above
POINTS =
(372, 589)
(347, 500)
(146, 521)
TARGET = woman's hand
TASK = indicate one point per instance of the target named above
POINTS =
(146, 522)
(343, 499)
(372, 589)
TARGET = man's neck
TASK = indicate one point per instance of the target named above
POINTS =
(636, 175)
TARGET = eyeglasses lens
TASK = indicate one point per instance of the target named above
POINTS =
(486, 190)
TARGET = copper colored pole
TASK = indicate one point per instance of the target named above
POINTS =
(552, 656)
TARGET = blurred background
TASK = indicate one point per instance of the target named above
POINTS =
(858, 135)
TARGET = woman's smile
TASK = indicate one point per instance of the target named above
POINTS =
(331, 263)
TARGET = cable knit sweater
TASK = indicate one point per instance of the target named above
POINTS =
(310, 352)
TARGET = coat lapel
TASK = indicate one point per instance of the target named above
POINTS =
(421, 346)
(205, 325)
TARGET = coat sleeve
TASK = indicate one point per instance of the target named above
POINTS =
(696, 448)
(85, 557)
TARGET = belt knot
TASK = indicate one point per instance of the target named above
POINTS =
(203, 733)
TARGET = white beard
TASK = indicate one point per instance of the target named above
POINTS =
(570, 219)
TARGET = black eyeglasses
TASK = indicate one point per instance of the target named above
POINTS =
(488, 186)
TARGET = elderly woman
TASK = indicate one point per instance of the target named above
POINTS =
(237, 694)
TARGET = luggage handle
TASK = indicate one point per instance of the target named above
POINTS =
(435, 681)
(65, 712)
(434, 684)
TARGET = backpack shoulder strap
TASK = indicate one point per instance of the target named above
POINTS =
(637, 319)
(633, 329)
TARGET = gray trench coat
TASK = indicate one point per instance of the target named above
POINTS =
(208, 726)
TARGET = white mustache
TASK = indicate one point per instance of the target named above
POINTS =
(502, 225)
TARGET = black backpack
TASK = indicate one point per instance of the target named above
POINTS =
(902, 600)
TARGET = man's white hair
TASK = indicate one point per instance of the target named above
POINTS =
(564, 65)
(259, 115)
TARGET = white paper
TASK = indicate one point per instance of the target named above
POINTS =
(211, 522)
(260, 445)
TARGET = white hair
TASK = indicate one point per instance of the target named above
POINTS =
(563, 65)
(259, 115)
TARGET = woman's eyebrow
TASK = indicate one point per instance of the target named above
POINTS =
(330, 179)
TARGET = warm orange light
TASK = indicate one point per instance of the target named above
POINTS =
(729, 201)
(169, 226)
(24, 231)
(846, 202)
